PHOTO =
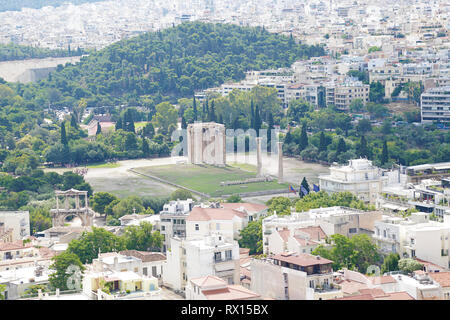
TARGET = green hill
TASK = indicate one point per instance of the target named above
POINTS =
(173, 63)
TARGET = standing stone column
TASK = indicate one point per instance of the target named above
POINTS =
(280, 162)
(258, 156)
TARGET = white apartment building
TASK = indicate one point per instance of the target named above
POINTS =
(305, 230)
(360, 177)
(19, 221)
(435, 104)
(173, 220)
(289, 276)
(341, 95)
(415, 237)
(203, 221)
(210, 255)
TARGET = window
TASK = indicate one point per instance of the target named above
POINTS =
(228, 254)
(352, 230)
(384, 233)
(197, 227)
(413, 253)
(217, 256)
(144, 271)
(154, 271)
(163, 228)
(311, 284)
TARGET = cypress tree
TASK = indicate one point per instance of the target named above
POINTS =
(145, 147)
(194, 106)
(206, 112)
(269, 132)
(183, 123)
(99, 128)
(303, 143)
(322, 142)
(252, 114)
(341, 147)
(363, 150)
(73, 122)
(288, 137)
(220, 120)
(384, 153)
(119, 124)
(212, 113)
(258, 121)
(304, 184)
(63, 134)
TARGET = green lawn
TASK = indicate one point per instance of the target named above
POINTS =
(206, 179)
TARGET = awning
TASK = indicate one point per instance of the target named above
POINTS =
(394, 207)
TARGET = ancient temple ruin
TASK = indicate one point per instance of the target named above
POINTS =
(206, 143)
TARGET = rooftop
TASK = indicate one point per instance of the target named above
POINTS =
(301, 259)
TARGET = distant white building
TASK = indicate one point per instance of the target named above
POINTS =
(173, 220)
(360, 177)
(19, 221)
(435, 104)
(214, 288)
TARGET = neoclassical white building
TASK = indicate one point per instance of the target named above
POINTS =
(360, 177)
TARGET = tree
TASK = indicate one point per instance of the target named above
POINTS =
(341, 147)
(62, 264)
(119, 124)
(212, 112)
(322, 142)
(142, 237)
(303, 143)
(390, 263)
(305, 185)
(356, 105)
(288, 138)
(363, 126)
(251, 237)
(194, 106)
(409, 265)
(148, 131)
(99, 128)
(145, 147)
(280, 205)
(63, 134)
(166, 114)
(128, 205)
(73, 121)
(269, 132)
(235, 198)
(384, 153)
(183, 123)
(71, 179)
(2, 290)
(101, 200)
(362, 149)
(181, 194)
(258, 121)
(89, 244)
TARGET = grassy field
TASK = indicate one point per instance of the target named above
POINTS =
(206, 179)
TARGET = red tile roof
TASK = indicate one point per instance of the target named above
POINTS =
(443, 278)
(284, 234)
(376, 293)
(250, 207)
(302, 259)
(231, 292)
(208, 281)
(357, 297)
(351, 287)
(314, 232)
(7, 246)
(383, 280)
(402, 295)
(206, 214)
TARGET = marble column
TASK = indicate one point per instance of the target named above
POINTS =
(258, 156)
(280, 162)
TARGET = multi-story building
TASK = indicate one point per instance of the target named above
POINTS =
(306, 230)
(207, 255)
(435, 104)
(214, 288)
(173, 220)
(415, 237)
(360, 177)
(341, 95)
(289, 276)
(19, 221)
